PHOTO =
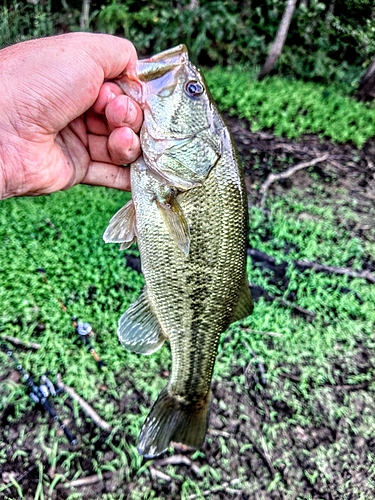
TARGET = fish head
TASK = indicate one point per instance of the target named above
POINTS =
(180, 136)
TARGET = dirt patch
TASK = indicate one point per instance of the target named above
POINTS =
(302, 462)
(348, 174)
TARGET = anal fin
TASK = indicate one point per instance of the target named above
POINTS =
(173, 419)
(122, 227)
(138, 329)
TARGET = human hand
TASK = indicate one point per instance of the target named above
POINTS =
(61, 122)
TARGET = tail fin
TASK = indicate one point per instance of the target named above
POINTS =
(172, 419)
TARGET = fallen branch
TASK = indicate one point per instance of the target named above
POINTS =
(261, 332)
(262, 370)
(351, 164)
(286, 303)
(295, 378)
(265, 454)
(86, 481)
(298, 308)
(216, 432)
(287, 173)
(25, 473)
(173, 460)
(301, 265)
(23, 343)
(178, 460)
(345, 387)
(89, 410)
(224, 486)
(7, 478)
(157, 474)
(347, 271)
(349, 387)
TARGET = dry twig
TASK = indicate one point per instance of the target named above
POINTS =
(89, 410)
(287, 173)
(285, 303)
(224, 486)
(347, 271)
(216, 432)
(159, 475)
(357, 387)
(314, 266)
(261, 332)
(260, 364)
(295, 378)
(178, 460)
(173, 460)
(298, 308)
(23, 343)
(86, 481)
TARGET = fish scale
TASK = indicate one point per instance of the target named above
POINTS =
(192, 243)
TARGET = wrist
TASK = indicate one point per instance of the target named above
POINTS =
(11, 169)
(2, 177)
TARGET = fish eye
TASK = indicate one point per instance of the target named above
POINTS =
(194, 89)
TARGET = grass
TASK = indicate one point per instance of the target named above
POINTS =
(52, 253)
(291, 108)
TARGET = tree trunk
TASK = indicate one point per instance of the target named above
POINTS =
(329, 15)
(193, 4)
(279, 41)
(366, 87)
(85, 14)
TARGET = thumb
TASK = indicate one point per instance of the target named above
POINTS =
(113, 54)
(58, 78)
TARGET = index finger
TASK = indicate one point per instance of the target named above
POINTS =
(107, 93)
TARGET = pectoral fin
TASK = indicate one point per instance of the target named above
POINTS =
(245, 304)
(122, 227)
(176, 223)
(138, 329)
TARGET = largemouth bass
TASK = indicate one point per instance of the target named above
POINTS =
(188, 214)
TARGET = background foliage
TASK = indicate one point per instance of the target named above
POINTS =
(327, 41)
(292, 108)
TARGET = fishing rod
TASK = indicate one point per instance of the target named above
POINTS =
(86, 333)
(39, 393)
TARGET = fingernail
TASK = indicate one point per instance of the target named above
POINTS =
(111, 96)
(131, 111)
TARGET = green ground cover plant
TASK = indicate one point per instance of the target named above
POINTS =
(291, 108)
(53, 257)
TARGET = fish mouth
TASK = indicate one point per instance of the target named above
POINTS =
(160, 64)
(159, 72)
